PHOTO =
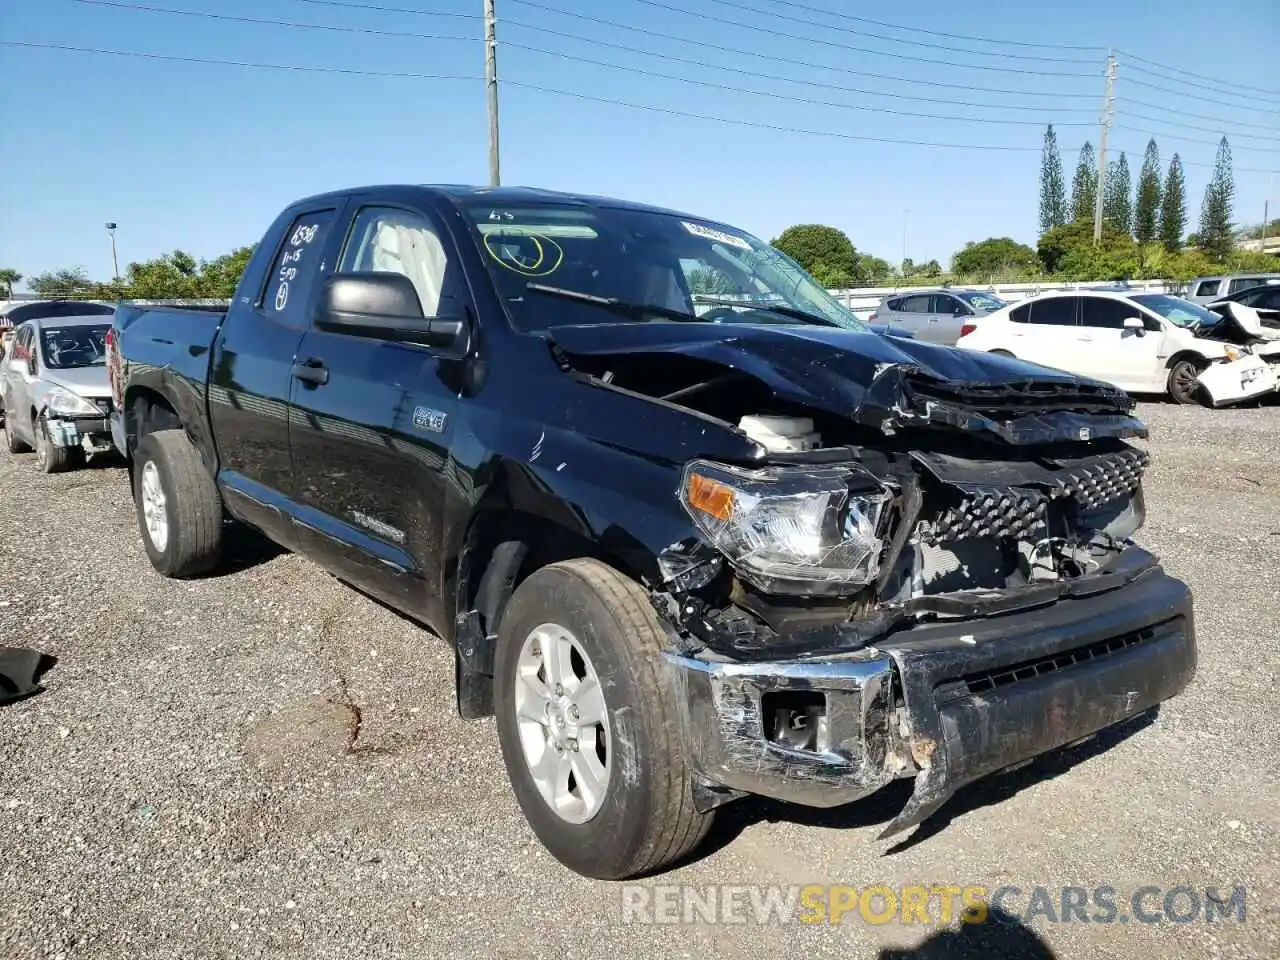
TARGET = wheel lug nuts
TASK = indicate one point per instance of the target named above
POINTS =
(535, 650)
(559, 747)
(559, 690)
(573, 745)
(573, 712)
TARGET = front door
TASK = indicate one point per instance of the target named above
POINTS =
(371, 444)
(1130, 359)
(16, 384)
(250, 374)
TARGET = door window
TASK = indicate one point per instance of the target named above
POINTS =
(391, 240)
(1208, 288)
(919, 303)
(1104, 313)
(949, 306)
(1244, 283)
(296, 265)
(1053, 312)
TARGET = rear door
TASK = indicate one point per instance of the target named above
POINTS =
(1046, 331)
(913, 313)
(947, 315)
(371, 445)
(1130, 359)
(250, 373)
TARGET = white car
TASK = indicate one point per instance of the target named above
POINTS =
(1141, 342)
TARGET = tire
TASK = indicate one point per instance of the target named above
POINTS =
(11, 441)
(1182, 385)
(51, 458)
(189, 541)
(646, 819)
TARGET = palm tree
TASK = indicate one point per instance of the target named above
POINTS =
(8, 277)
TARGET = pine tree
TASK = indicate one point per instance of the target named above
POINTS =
(1215, 212)
(1173, 207)
(1053, 189)
(1084, 185)
(1117, 205)
(1147, 208)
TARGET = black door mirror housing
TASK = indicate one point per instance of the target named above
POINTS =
(384, 306)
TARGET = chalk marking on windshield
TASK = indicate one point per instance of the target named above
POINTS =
(538, 267)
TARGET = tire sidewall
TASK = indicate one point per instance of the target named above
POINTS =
(43, 446)
(1183, 399)
(605, 843)
(149, 450)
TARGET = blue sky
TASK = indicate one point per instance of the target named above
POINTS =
(202, 156)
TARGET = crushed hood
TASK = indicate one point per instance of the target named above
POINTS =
(887, 383)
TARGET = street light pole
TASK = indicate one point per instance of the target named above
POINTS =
(115, 264)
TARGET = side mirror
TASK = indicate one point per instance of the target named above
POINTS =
(384, 306)
(1136, 325)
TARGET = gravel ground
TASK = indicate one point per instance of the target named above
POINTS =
(265, 763)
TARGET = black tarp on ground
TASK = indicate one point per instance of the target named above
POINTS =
(20, 671)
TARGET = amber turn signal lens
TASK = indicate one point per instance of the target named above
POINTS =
(710, 496)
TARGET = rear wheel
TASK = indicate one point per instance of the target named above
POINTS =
(51, 458)
(589, 735)
(1184, 385)
(179, 509)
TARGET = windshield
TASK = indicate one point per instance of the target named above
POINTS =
(982, 301)
(684, 269)
(78, 346)
(1182, 313)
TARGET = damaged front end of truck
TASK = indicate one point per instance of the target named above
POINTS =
(933, 576)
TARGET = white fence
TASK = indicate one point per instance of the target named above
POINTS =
(861, 300)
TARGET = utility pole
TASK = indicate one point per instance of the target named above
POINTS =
(491, 80)
(1108, 109)
(115, 264)
(904, 236)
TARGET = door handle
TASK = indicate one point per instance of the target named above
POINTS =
(311, 371)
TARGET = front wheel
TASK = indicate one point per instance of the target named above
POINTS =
(1184, 383)
(589, 734)
(50, 457)
(179, 509)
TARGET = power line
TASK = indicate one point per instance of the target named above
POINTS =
(1185, 73)
(1179, 138)
(381, 9)
(1195, 116)
(870, 51)
(256, 65)
(747, 8)
(932, 33)
(1216, 130)
(400, 75)
(782, 96)
(260, 21)
(205, 15)
(742, 71)
(741, 52)
(1189, 96)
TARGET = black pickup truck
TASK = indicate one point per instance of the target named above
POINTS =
(693, 531)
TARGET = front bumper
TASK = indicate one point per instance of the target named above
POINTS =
(947, 702)
(91, 433)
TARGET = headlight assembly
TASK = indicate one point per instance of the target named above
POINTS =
(791, 529)
(64, 403)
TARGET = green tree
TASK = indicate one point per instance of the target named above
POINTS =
(711, 282)
(1173, 207)
(830, 256)
(1117, 204)
(1147, 209)
(1053, 189)
(996, 257)
(1084, 185)
(1258, 231)
(1069, 253)
(69, 282)
(1215, 211)
(8, 277)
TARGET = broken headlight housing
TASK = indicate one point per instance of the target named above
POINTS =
(797, 530)
(63, 403)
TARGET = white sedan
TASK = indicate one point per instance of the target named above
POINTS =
(1141, 342)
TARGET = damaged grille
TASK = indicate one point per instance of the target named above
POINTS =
(1002, 511)
(1003, 401)
(985, 681)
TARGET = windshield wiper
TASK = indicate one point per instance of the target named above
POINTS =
(637, 310)
(792, 312)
